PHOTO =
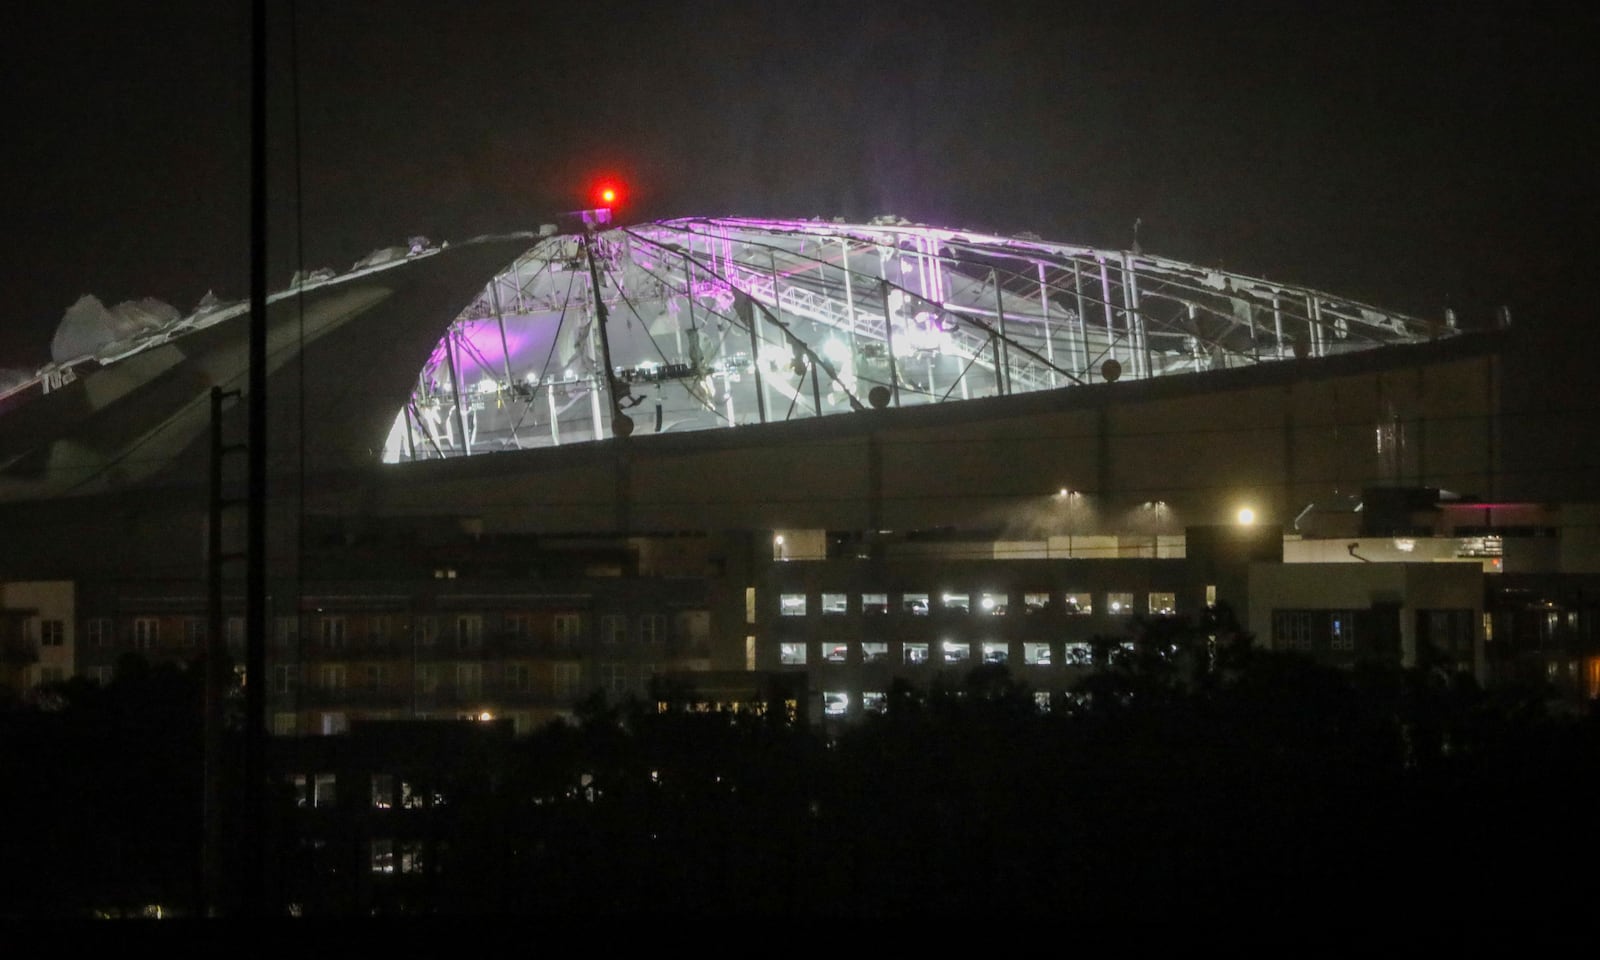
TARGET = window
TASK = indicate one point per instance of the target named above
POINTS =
(284, 677)
(331, 677)
(100, 633)
(382, 856)
(1036, 654)
(1041, 701)
(333, 630)
(996, 652)
(874, 701)
(874, 604)
(146, 632)
(101, 675)
(469, 631)
(835, 703)
(378, 631)
(469, 679)
(955, 651)
(427, 631)
(1211, 595)
(334, 724)
(993, 604)
(614, 628)
(568, 627)
(566, 679)
(1448, 631)
(1293, 629)
(49, 675)
(286, 631)
(52, 633)
(915, 604)
(874, 652)
(235, 633)
(519, 626)
(653, 628)
(792, 653)
(834, 604)
(915, 653)
(1035, 602)
(1163, 604)
(283, 725)
(615, 678)
(792, 605)
(375, 679)
(1119, 604)
(1078, 655)
(836, 652)
(410, 856)
(382, 791)
(956, 602)
(324, 791)
(427, 678)
(1076, 604)
(1342, 630)
(519, 677)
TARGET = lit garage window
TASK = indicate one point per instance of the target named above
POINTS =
(992, 603)
(874, 701)
(956, 602)
(792, 605)
(1078, 655)
(874, 603)
(1163, 604)
(834, 603)
(1035, 602)
(1041, 700)
(835, 703)
(792, 653)
(916, 652)
(1037, 654)
(1077, 603)
(836, 652)
(915, 604)
(874, 652)
(1119, 604)
(995, 652)
(955, 652)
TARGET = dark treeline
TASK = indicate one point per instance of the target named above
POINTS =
(1180, 777)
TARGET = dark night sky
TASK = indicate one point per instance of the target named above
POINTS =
(1407, 154)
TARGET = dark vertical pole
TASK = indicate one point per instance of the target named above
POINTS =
(211, 852)
(256, 550)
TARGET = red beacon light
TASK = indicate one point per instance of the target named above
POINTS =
(607, 195)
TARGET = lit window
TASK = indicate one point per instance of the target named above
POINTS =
(915, 653)
(834, 603)
(1119, 604)
(792, 653)
(836, 652)
(993, 604)
(410, 856)
(874, 701)
(1342, 630)
(956, 652)
(956, 602)
(382, 791)
(323, 793)
(835, 703)
(383, 856)
(1078, 655)
(792, 605)
(334, 723)
(874, 652)
(996, 652)
(1036, 654)
(1041, 700)
(915, 604)
(873, 604)
(1077, 603)
(1035, 602)
(1163, 604)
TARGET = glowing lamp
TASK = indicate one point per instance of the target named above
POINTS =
(1247, 516)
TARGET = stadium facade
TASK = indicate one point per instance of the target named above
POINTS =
(802, 456)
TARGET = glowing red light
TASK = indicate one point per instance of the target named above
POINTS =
(607, 194)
